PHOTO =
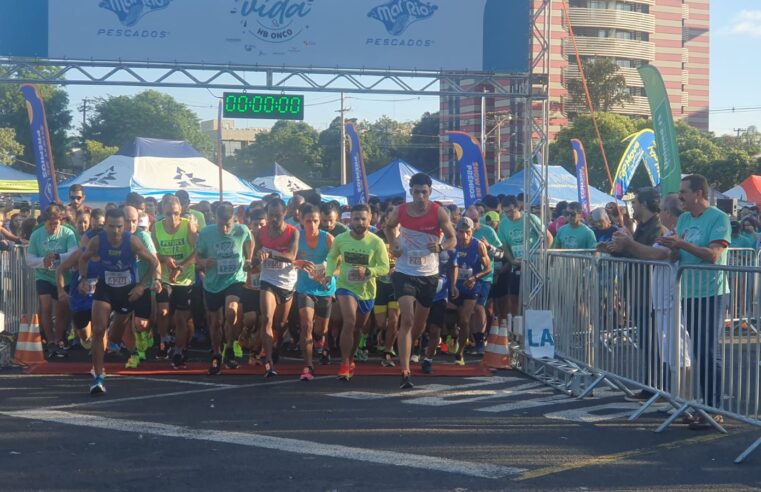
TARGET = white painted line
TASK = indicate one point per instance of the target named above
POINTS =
(104, 400)
(526, 404)
(297, 446)
(429, 389)
(455, 397)
(175, 381)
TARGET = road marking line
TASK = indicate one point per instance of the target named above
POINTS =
(106, 401)
(179, 381)
(297, 446)
(454, 397)
(614, 458)
(430, 389)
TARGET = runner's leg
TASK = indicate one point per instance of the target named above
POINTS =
(101, 311)
(267, 313)
(348, 306)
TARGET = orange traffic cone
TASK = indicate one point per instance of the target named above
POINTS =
(29, 343)
(496, 353)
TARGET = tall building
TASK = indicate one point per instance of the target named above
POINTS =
(673, 35)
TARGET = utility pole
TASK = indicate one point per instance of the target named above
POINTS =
(739, 131)
(343, 111)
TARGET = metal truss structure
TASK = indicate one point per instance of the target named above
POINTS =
(534, 270)
(256, 78)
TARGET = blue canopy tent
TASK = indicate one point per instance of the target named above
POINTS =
(154, 167)
(393, 180)
(561, 186)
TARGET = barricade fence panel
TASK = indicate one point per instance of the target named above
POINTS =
(688, 332)
(18, 295)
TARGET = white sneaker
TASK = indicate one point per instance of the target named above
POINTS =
(415, 359)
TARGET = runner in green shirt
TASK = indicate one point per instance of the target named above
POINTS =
(224, 251)
(487, 235)
(363, 257)
(48, 246)
(175, 240)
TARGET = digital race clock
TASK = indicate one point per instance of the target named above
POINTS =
(263, 106)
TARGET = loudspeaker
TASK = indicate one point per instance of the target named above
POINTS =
(728, 206)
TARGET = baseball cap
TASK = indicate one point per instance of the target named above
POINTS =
(465, 223)
(346, 216)
(492, 216)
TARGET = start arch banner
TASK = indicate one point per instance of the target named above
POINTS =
(429, 35)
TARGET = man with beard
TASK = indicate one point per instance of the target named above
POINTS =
(363, 258)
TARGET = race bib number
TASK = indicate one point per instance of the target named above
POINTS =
(418, 257)
(227, 266)
(272, 264)
(318, 272)
(118, 279)
(464, 273)
(354, 275)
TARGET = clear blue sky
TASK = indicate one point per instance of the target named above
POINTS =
(735, 76)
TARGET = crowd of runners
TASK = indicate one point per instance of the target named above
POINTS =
(404, 280)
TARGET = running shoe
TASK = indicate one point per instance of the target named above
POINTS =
(98, 385)
(345, 372)
(415, 358)
(269, 370)
(361, 355)
(427, 366)
(163, 351)
(133, 362)
(178, 362)
(480, 348)
(114, 348)
(406, 381)
(325, 357)
(229, 359)
(352, 368)
(388, 360)
(216, 365)
(459, 361)
(86, 344)
(141, 355)
(237, 349)
(362, 342)
(307, 374)
(56, 353)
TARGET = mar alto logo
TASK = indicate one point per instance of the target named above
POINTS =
(130, 12)
(398, 15)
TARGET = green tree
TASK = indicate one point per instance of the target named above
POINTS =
(293, 144)
(116, 121)
(13, 114)
(329, 143)
(606, 83)
(613, 130)
(423, 151)
(9, 147)
(383, 141)
(97, 152)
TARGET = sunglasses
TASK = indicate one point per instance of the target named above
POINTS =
(75, 197)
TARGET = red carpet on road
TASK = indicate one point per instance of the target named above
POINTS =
(284, 368)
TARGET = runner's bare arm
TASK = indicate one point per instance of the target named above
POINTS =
(486, 270)
(389, 229)
(248, 253)
(142, 252)
(445, 223)
(90, 252)
(65, 266)
(333, 256)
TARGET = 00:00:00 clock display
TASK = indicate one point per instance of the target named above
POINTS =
(263, 104)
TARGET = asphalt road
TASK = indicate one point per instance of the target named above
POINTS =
(506, 432)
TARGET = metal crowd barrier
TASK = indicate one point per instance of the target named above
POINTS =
(18, 295)
(688, 336)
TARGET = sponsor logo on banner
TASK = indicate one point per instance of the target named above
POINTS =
(273, 21)
(398, 15)
(186, 180)
(129, 12)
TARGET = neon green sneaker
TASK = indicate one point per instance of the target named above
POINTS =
(459, 361)
(362, 342)
(237, 349)
(141, 344)
(141, 355)
(133, 362)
